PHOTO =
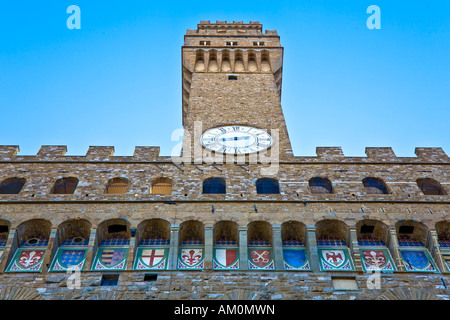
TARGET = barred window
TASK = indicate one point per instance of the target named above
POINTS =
(320, 185)
(65, 186)
(214, 186)
(12, 186)
(430, 187)
(162, 186)
(267, 186)
(374, 186)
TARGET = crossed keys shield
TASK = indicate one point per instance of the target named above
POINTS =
(260, 257)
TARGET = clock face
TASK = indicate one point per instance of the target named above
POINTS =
(236, 139)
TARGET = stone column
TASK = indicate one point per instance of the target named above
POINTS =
(173, 251)
(394, 249)
(435, 250)
(277, 247)
(51, 248)
(311, 245)
(219, 60)
(209, 244)
(131, 253)
(206, 59)
(9, 249)
(91, 249)
(245, 59)
(243, 248)
(354, 249)
(232, 60)
(258, 60)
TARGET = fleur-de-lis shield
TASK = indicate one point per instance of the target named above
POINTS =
(191, 256)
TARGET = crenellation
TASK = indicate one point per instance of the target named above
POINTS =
(330, 153)
(142, 153)
(381, 154)
(54, 153)
(99, 153)
(432, 154)
(8, 152)
(50, 152)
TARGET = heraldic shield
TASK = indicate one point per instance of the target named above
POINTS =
(335, 260)
(226, 258)
(191, 258)
(151, 259)
(260, 259)
(111, 259)
(418, 261)
(376, 259)
(27, 260)
(68, 258)
(295, 259)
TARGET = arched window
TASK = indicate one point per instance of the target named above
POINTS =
(320, 185)
(73, 240)
(113, 237)
(65, 186)
(214, 186)
(32, 240)
(267, 186)
(153, 237)
(293, 236)
(191, 245)
(11, 186)
(162, 186)
(412, 238)
(117, 186)
(374, 186)
(430, 187)
(260, 251)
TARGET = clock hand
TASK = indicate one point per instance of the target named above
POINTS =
(235, 138)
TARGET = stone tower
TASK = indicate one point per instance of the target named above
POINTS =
(232, 76)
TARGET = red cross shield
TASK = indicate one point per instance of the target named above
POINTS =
(152, 257)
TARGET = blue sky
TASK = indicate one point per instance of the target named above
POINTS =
(117, 80)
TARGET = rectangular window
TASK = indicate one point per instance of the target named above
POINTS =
(205, 43)
(114, 228)
(150, 277)
(406, 230)
(258, 43)
(344, 284)
(109, 280)
(232, 77)
(367, 229)
(231, 43)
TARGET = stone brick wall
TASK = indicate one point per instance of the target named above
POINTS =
(205, 285)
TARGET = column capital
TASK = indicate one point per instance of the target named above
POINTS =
(276, 227)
